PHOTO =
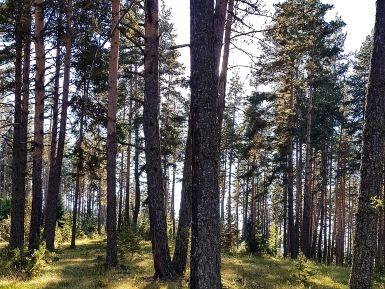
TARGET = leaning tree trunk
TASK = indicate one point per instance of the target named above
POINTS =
(38, 139)
(155, 184)
(205, 241)
(19, 148)
(371, 162)
(55, 173)
(111, 256)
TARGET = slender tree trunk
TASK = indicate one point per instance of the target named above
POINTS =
(137, 178)
(155, 184)
(306, 223)
(298, 198)
(37, 181)
(111, 255)
(372, 161)
(172, 207)
(226, 53)
(79, 168)
(128, 175)
(100, 202)
(121, 184)
(324, 183)
(19, 149)
(55, 173)
(205, 241)
(184, 223)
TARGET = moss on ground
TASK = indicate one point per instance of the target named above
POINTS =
(83, 268)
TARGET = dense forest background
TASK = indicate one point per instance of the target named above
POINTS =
(104, 133)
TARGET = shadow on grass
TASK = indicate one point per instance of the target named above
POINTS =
(83, 268)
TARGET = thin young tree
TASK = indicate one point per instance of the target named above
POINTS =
(371, 162)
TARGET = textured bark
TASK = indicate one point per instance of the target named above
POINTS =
(55, 173)
(19, 149)
(372, 161)
(38, 139)
(155, 184)
(205, 241)
(184, 222)
(111, 252)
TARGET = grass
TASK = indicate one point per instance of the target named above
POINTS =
(83, 268)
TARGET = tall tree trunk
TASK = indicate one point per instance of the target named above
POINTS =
(184, 223)
(306, 223)
(55, 173)
(128, 175)
(372, 161)
(19, 149)
(205, 241)
(323, 193)
(111, 255)
(298, 197)
(155, 184)
(37, 181)
(79, 167)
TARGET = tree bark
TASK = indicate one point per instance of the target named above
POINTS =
(19, 148)
(111, 254)
(205, 242)
(128, 173)
(371, 162)
(184, 223)
(306, 223)
(135, 214)
(155, 184)
(55, 173)
(37, 181)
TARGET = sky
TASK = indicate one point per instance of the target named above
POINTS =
(358, 15)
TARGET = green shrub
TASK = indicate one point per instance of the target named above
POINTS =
(35, 263)
(129, 242)
(5, 229)
(302, 271)
(5, 208)
(64, 228)
(10, 261)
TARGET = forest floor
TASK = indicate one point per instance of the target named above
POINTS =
(83, 268)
